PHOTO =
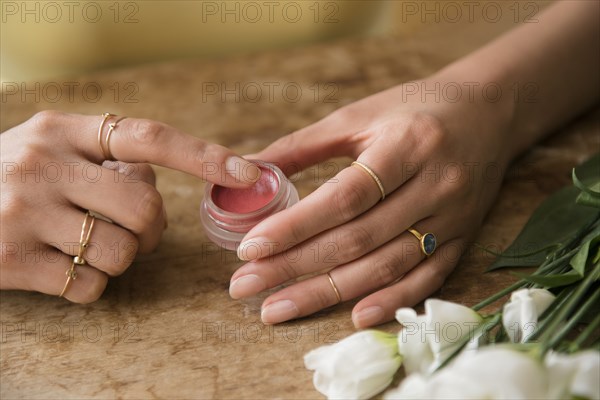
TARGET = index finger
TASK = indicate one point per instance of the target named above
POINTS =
(145, 141)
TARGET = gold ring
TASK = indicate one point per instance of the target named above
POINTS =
(372, 175)
(105, 116)
(84, 241)
(427, 241)
(335, 289)
(111, 127)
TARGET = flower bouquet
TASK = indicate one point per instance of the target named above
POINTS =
(542, 343)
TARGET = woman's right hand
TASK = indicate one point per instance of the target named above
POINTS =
(53, 171)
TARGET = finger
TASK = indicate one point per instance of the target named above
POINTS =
(310, 145)
(145, 141)
(377, 269)
(111, 248)
(339, 245)
(417, 285)
(45, 273)
(130, 203)
(341, 199)
(140, 171)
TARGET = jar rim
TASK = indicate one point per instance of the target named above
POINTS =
(221, 214)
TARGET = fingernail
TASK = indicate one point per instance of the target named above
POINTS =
(242, 170)
(246, 285)
(253, 249)
(368, 317)
(279, 311)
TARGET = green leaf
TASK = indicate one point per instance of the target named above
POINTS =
(555, 221)
(592, 189)
(580, 259)
(585, 199)
(552, 281)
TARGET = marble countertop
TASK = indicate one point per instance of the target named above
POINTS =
(167, 328)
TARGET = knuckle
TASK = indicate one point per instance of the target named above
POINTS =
(432, 133)
(149, 207)
(13, 206)
(323, 297)
(349, 201)
(146, 132)
(197, 152)
(385, 269)
(30, 158)
(288, 270)
(128, 246)
(44, 121)
(146, 173)
(355, 241)
(94, 288)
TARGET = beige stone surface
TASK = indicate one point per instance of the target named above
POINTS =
(167, 327)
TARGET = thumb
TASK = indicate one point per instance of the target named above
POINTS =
(308, 146)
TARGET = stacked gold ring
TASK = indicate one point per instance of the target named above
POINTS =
(105, 148)
(84, 241)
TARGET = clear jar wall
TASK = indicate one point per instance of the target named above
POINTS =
(226, 228)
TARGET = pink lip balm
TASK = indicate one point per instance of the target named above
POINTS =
(228, 214)
(243, 201)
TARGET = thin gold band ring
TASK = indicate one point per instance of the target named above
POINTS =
(373, 175)
(334, 287)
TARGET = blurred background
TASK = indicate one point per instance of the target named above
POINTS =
(48, 39)
(51, 39)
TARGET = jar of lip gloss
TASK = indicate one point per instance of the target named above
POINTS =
(228, 214)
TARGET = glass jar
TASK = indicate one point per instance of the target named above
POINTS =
(228, 214)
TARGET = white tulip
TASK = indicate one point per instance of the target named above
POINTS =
(357, 367)
(520, 315)
(426, 341)
(575, 375)
(488, 373)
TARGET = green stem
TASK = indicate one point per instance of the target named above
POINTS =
(565, 311)
(587, 332)
(548, 316)
(499, 295)
(590, 303)
(548, 265)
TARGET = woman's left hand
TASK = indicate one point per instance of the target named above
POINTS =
(441, 164)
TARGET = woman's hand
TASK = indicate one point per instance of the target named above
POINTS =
(440, 157)
(53, 170)
(441, 164)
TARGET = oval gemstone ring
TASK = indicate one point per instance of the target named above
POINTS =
(428, 241)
